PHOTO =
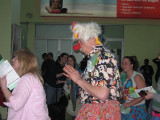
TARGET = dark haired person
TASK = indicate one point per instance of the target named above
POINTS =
(147, 72)
(157, 62)
(50, 56)
(132, 80)
(155, 108)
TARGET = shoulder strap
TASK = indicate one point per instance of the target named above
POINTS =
(93, 61)
(123, 78)
(136, 73)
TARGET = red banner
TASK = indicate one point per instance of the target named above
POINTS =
(138, 8)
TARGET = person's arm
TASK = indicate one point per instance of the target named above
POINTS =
(59, 81)
(51, 74)
(100, 92)
(59, 70)
(140, 83)
(3, 83)
(6, 92)
(2, 99)
(152, 71)
(155, 60)
(59, 75)
(21, 93)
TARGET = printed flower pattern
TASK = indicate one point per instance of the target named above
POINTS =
(104, 73)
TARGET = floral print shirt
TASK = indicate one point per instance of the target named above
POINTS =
(102, 70)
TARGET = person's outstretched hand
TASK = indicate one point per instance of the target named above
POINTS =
(71, 73)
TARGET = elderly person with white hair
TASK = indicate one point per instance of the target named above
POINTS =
(101, 85)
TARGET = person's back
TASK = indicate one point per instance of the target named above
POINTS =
(50, 74)
(147, 73)
(44, 64)
(35, 107)
(45, 68)
(27, 101)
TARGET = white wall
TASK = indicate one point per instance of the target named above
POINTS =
(56, 39)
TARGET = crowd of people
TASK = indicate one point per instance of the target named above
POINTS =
(94, 90)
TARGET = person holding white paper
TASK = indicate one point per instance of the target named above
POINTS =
(155, 108)
(132, 80)
(28, 99)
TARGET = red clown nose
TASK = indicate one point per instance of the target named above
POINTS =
(76, 47)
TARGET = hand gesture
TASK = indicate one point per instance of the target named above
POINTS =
(71, 73)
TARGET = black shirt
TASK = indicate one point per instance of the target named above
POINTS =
(59, 69)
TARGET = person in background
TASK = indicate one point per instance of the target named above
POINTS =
(27, 101)
(48, 60)
(50, 56)
(44, 64)
(155, 103)
(60, 78)
(101, 86)
(73, 106)
(157, 62)
(49, 76)
(147, 72)
(55, 6)
(83, 65)
(44, 56)
(133, 80)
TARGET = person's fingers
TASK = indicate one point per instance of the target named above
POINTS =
(70, 68)
(67, 70)
(66, 75)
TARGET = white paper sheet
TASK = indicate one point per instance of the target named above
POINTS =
(11, 76)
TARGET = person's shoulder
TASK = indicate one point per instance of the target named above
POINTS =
(107, 53)
(142, 66)
(56, 64)
(52, 62)
(138, 76)
(29, 77)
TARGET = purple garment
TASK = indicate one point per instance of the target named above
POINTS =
(28, 100)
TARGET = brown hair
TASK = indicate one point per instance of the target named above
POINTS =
(73, 58)
(27, 63)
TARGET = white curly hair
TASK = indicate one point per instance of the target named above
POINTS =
(85, 31)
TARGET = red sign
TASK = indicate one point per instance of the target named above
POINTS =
(138, 8)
